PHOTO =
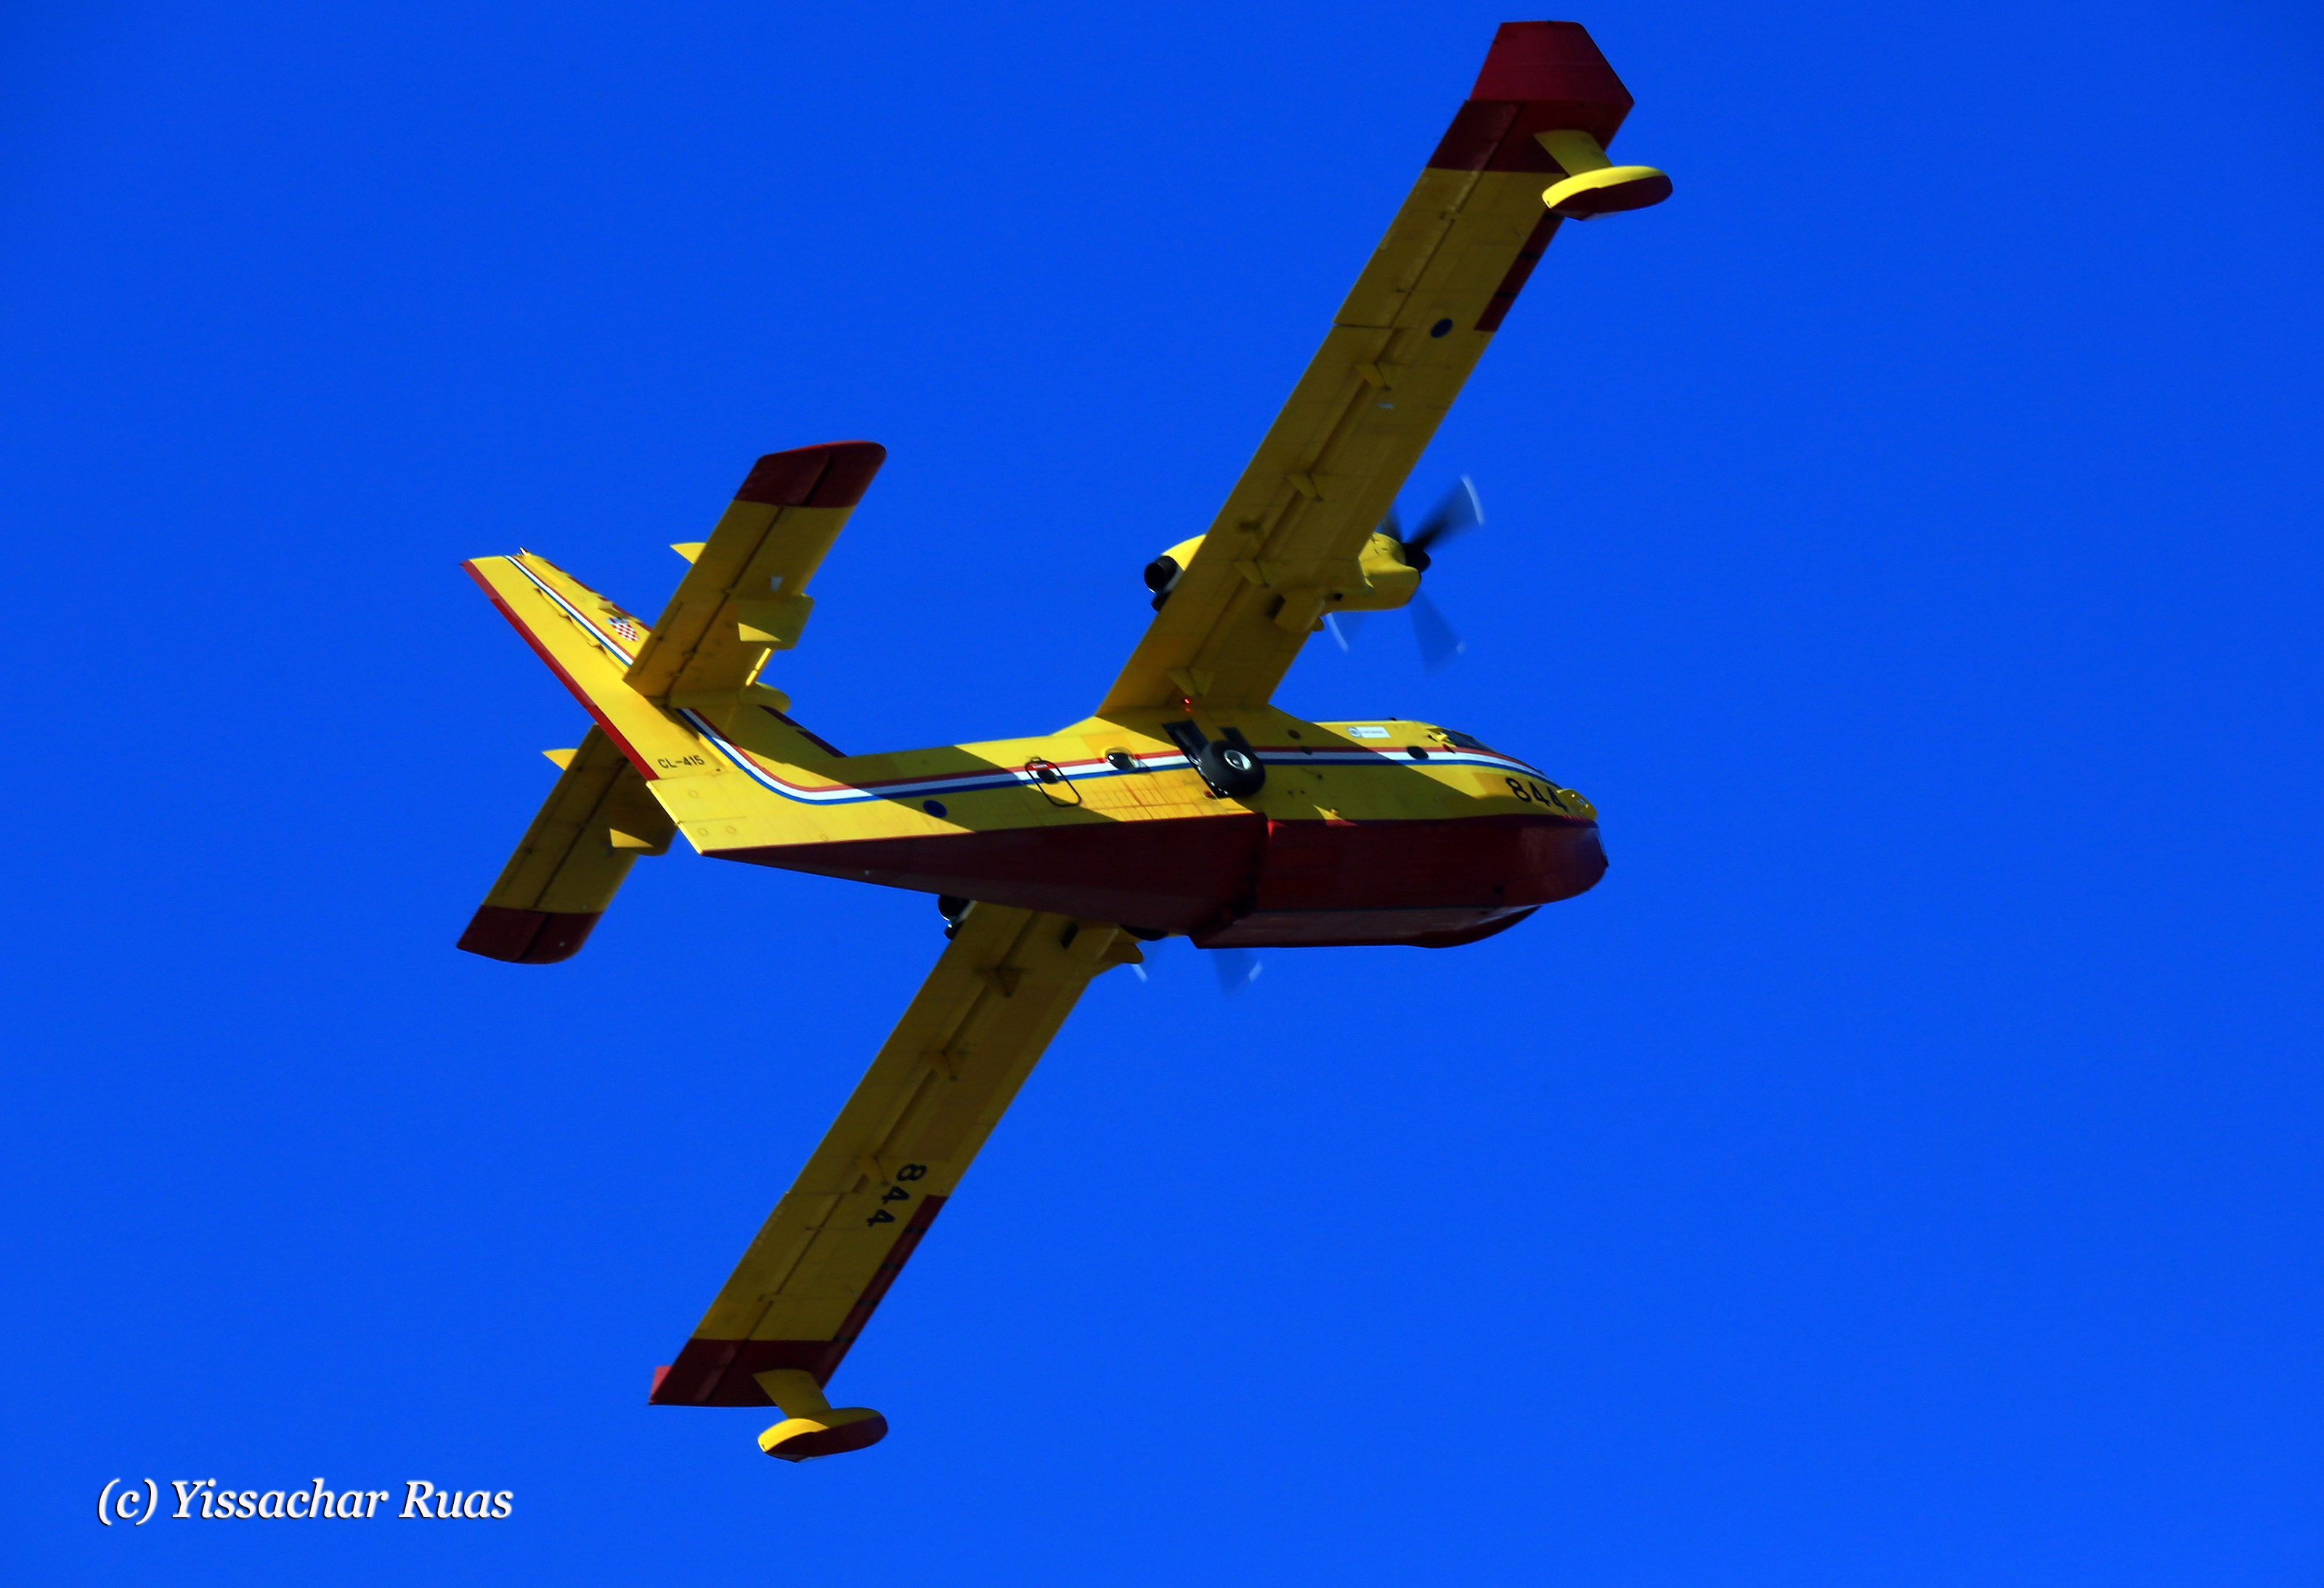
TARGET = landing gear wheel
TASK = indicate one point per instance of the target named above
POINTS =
(1233, 770)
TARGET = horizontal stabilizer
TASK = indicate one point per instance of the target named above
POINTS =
(596, 822)
(746, 593)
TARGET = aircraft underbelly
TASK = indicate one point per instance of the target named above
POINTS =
(1433, 884)
(1242, 880)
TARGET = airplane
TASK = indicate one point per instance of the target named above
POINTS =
(1186, 804)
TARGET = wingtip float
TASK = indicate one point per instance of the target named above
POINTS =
(1186, 804)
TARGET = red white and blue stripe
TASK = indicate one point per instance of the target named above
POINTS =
(952, 784)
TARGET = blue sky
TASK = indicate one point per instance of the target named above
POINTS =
(1902, 1168)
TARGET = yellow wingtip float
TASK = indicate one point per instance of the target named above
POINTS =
(1186, 804)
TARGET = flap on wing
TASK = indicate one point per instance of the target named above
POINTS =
(746, 593)
(595, 824)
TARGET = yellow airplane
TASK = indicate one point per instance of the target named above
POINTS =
(1186, 804)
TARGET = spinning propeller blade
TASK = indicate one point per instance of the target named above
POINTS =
(1457, 513)
(1439, 645)
(1454, 516)
(1237, 969)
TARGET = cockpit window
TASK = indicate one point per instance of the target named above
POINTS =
(1456, 737)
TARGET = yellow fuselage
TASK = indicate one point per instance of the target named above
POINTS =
(1363, 832)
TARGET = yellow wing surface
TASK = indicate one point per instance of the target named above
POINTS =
(1287, 548)
(806, 1286)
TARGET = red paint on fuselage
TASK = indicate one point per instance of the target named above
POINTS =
(1433, 884)
(1167, 876)
(1242, 880)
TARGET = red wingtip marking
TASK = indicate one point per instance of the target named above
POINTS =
(722, 1373)
(834, 475)
(1546, 60)
(1538, 76)
(527, 937)
(853, 466)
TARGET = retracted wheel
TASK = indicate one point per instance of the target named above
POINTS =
(1234, 771)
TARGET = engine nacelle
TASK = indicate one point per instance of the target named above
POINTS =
(1389, 579)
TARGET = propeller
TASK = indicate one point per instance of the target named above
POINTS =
(1237, 969)
(1454, 516)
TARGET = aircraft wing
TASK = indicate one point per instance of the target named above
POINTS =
(836, 1240)
(1398, 350)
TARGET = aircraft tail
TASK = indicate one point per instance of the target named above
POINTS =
(744, 597)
